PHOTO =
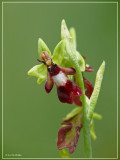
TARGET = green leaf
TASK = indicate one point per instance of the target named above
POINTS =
(95, 94)
(59, 52)
(39, 71)
(42, 47)
(73, 35)
(63, 153)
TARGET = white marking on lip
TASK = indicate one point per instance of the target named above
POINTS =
(60, 79)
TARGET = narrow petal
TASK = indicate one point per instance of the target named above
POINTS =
(85, 58)
(88, 87)
(88, 68)
(68, 71)
(49, 83)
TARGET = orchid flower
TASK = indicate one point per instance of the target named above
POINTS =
(68, 92)
(68, 135)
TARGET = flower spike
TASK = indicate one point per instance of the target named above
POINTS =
(49, 83)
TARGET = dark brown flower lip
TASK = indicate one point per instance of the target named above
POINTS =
(67, 93)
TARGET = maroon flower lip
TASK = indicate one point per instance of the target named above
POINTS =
(67, 91)
(68, 135)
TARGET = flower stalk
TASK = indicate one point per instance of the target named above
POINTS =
(79, 79)
(86, 122)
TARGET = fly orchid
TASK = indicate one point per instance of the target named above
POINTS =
(67, 91)
(58, 68)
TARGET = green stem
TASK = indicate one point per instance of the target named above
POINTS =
(71, 51)
(86, 122)
(79, 80)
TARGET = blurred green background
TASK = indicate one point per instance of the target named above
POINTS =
(32, 117)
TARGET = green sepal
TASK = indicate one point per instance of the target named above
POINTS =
(59, 52)
(64, 31)
(74, 112)
(39, 71)
(73, 35)
(42, 47)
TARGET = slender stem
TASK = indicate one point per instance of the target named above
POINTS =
(79, 80)
(71, 52)
(86, 122)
